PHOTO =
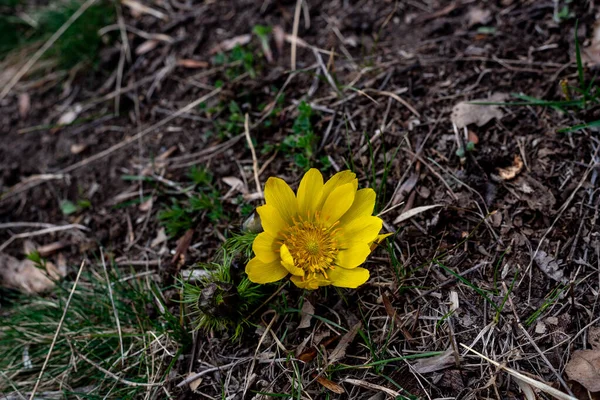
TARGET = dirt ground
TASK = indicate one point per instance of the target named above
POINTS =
(517, 211)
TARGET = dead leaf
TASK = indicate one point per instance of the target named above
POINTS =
(24, 104)
(192, 64)
(526, 389)
(29, 246)
(160, 238)
(391, 312)
(77, 148)
(194, 275)
(472, 137)
(229, 44)
(25, 276)
(279, 36)
(584, 367)
(540, 327)
(328, 340)
(454, 301)
(70, 116)
(138, 9)
(195, 383)
(591, 54)
(508, 173)
(437, 363)
(145, 47)
(308, 355)
(549, 266)
(537, 196)
(253, 196)
(413, 212)
(407, 186)
(146, 205)
(307, 313)
(478, 16)
(252, 223)
(334, 387)
(340, 350)
(594, 337)
(389, 308)
(178, 259)
(235, 184)
(464, 113)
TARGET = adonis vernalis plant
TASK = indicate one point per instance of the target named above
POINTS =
(320, 235)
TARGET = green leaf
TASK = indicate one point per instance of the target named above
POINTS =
(68, 207)
(262, 31)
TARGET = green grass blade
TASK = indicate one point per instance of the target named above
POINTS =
(578, 58)
(536, 102)
(468, 283)
(389, 360)
(593, 124)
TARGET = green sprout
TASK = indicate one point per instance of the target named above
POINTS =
(238, 61)
(303, 141)
(222, 298)
(184, 214)
(263, 32)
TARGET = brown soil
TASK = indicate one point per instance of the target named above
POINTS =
(432, 55)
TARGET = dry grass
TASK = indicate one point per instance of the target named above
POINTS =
(484, 295)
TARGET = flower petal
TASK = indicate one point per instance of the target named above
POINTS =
(348, 278)
(310, 284)
(339, 179)
(363, 229)
(271, 220)
(260, 272)
(379, 239)
(288, 261)
(338, 202)
(355, 254)
(364, 203)
(279, 195)
(310, 191)
(264, 247)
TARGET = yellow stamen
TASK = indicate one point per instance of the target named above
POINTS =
(313, 244)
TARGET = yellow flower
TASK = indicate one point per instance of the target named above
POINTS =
(320, 236)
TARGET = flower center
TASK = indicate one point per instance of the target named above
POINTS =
(313, 245)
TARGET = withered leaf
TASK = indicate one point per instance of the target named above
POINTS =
(145, 47)
(413, 212)
(340, 350)
(308, 355)
(307, 313)
(549, 266)
(465, 113)
(326, 342)
(584, 367)
(24, 104)
(594, 337)
(334, 387)
(192, 64)
(436, 363)
(26, 276)
(512, 171)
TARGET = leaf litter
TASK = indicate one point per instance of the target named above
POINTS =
(462, 58)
